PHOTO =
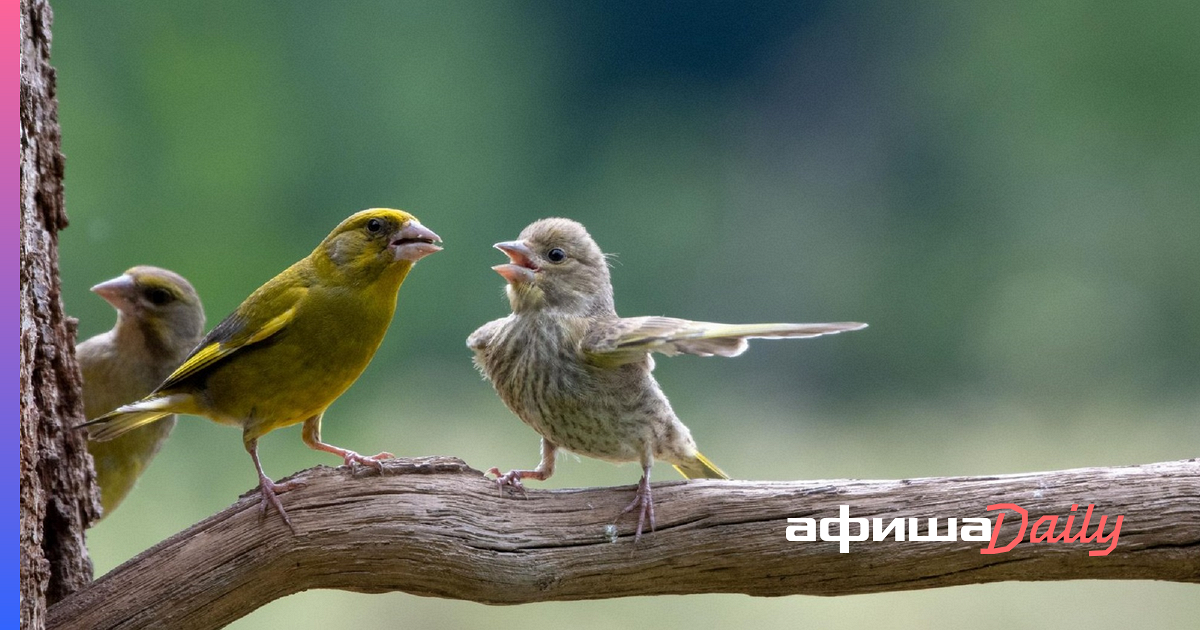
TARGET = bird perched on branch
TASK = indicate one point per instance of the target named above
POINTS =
(159, 320)
(580, 375)
(294, 345)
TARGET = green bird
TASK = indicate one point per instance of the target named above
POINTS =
(580, 375)
(159, 321)
(294, 345)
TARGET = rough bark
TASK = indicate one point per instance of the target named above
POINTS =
(438, 528)
(58, 498)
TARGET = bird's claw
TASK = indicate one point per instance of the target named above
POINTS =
(644, 504)
(353, 460)
(270, 491)
(510, 479)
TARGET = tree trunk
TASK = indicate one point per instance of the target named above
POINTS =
(58, 495)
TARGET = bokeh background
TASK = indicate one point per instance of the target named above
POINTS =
(1007, 192)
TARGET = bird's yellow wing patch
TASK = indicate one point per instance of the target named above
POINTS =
(228, 337)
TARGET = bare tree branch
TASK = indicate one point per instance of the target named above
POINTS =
(437, 527)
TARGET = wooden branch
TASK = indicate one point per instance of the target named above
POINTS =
(436, 527)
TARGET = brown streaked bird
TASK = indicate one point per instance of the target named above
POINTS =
(159, 321)
(580, 375)
(295, 345)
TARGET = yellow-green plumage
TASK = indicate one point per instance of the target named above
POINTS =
(159, 320)
(297, 343)
(700, 468)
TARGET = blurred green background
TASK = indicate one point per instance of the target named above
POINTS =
(1007, 193)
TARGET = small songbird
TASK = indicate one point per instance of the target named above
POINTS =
(580, 375)
(294, 345)
(159, 320)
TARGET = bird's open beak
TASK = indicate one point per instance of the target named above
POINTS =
(117, 291)
(520, 268)
(414, 242)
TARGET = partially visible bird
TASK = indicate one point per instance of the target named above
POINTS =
(159, 320)
(294, 345)
(580, 375)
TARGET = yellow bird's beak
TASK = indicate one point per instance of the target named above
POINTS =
(414, 242)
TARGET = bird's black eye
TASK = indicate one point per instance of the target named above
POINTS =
(556, 255)
(374, 225)
(159, 296)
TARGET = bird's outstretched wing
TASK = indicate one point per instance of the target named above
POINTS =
(629, 339)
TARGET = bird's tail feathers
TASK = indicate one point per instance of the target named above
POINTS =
(700, 468)
(129, 417)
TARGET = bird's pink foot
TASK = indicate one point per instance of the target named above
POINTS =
(269, 491)
(644, 504)
(511, 479)
(353, 460)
